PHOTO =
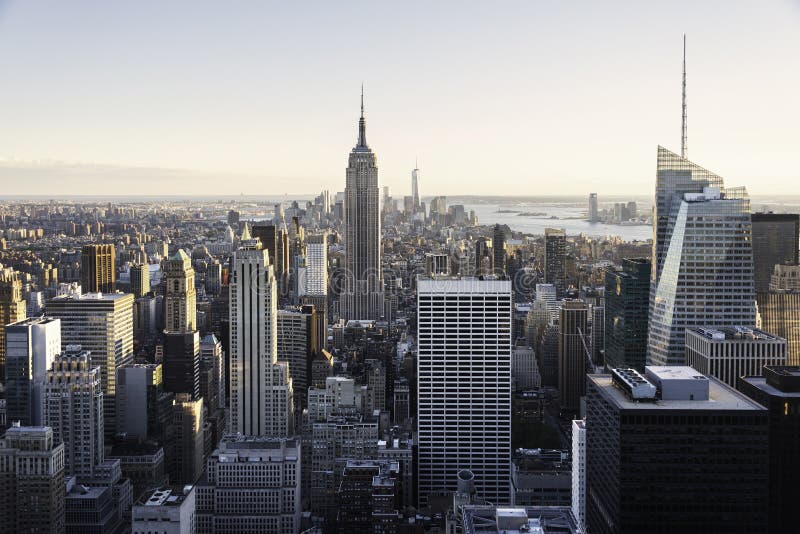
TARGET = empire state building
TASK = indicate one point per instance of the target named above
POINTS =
(363, 296)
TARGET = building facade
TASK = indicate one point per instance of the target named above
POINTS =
(627, 295)
(775, 242)
(98, 269)
(555, 259)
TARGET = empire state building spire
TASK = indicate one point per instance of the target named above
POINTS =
(362, 125)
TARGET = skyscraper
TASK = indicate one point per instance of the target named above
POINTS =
(295, 343)
(140, 279)
(707, 272)
(363, 295)
(103, 325)
(779, 310)
(98, 268)
(415, 188)
(627, 297)
(32, 490)
(464, 377)
(180, 296)
(31, 346)
(775, 242)
(593, 214)
(73, 408)
(555, 259)
(12, 309)
(573, 355)
(261, 389)
(673, 452)
(499, 250)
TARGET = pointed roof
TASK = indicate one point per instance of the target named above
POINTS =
(181, 255)
(245, 232)
(362, 125)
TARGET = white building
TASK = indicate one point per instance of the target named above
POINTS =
(165, 511)
(464, 372)
(31, 346)
(261, 389)
(728, 353)
(73, 408)
(316, 283)
(579, 471)
(251, 484)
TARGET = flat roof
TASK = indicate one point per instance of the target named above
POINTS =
(720, 397)
(734, 333)
(675, 372)
(761, 383)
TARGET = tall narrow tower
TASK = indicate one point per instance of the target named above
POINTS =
(362, 297)
(415, 187)
(684, 145)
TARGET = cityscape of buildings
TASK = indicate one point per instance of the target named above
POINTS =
(358, 362)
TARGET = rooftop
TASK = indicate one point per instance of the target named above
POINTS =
(721, 397)
(165, 496)
(480, 519)
(730, 333)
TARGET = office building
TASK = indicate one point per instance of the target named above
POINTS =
(525, 370)
(593, 211)
(295, 345)
(140, 279)
(362, 297)
(103, 325)
(555, 259)
(775, 242)
(573, 356)
(728, 353)
(91, 509)
(12, 309)
(499, 250)
(464, 382)
(182, 362)
(779, 310)
(73, 408)
(168, 510)
(251, 484)
(437, 264)
(707, 272)
(778, 389)
(185, 440)
(98, 269)
(32, 486)
(316, 266)
(642, 475)
(493, 519)
(415, 189)
(627, 296)
(784, 277)
(675, 176)
(579, 471)
(142, 462)
(212, 373)
(142, 405)
(180, 296)
(367, 496)
(31, 346)
(260, 386)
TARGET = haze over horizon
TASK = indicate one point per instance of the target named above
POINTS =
(531, 99)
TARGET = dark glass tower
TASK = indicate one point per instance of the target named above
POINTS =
(555, 259)
(775, 241)
(627, 302)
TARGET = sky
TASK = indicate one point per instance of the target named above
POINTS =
(491, 98)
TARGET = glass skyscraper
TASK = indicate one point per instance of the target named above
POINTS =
(627, 300)
(706, 275)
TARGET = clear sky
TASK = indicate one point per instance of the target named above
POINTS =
(261, 97)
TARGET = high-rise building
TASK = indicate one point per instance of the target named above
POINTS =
(627, 295)
(140, 279)
(499, 250)
(728, 353)
(182, 362)
(73, 408)
(415, 188)
(98, 269)
(776, 237)
(31, 346)
(636, 434)
(779, 310)
(464, 382)
(573, 357)
(32, 489)
(103, 325)
(363, 295)
(12, 309)
(675, 176)
(593, 213)
(180, 296)
(779, 391)
(142, 405)
(707, 273)
(186, 434)
(555, 259)
(251, 484)
(295, 345)
(167, 510)
(316, 266)
(579, 471)
(261, 389)
(784, 277)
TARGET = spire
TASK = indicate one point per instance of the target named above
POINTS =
(362, 127)
(684, 148)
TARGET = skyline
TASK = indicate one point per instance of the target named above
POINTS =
(159, 101)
